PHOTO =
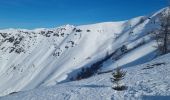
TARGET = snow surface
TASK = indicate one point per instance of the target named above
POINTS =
(45, 57)
(145, 82)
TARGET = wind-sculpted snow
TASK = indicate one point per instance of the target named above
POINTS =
(44, 57)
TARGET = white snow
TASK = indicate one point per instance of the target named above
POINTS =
(143, 83)
(44, 57)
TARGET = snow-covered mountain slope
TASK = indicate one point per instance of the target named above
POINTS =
(44, 57)
(149, 81)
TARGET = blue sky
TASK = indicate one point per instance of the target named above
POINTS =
(52, 13)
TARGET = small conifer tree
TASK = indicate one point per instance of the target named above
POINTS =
(117, 76)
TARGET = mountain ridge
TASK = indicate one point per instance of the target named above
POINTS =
(44, 57)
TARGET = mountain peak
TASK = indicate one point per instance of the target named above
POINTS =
(43, 57)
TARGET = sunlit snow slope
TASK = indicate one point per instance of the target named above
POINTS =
(149, 81)
(43, 57)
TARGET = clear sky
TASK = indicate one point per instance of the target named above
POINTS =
(52, 13)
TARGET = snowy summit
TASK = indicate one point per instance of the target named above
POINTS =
(76, 62)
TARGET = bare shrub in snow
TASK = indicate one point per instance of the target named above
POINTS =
(162, 36)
